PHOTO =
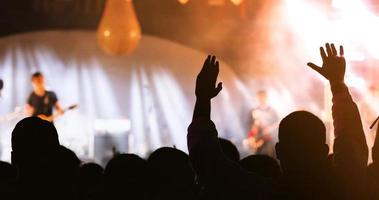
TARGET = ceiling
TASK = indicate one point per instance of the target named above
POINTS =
(222, 30)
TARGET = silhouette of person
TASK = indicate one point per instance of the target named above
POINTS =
(220, 177)
(229, 149)
(35, 146)
(172, 175)
(89, 181)
(262, 165)
(350, 151)
(301, 148)
(126, 176)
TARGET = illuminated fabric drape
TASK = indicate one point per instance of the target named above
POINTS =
(153, 88)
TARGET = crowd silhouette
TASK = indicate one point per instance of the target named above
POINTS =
(41, 168)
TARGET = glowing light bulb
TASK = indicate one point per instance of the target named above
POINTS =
(119, 31)
(183, 1)
(236, 2)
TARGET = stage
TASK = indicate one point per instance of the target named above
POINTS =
(144, 100)
(146, 97)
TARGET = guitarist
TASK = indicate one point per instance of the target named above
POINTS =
(42, 102)
(264, 124)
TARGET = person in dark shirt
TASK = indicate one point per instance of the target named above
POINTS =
(41, 102)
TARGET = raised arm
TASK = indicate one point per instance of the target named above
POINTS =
(202, 134)
(350, 148)
(216, 173)
(205, 88)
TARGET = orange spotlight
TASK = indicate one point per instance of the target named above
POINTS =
(236, 2)
(183, 1)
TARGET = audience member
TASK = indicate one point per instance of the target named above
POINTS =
(126, 176)
(262, 165)
(350, 151)
(89, 181)
(41, 168)
(172, 175)
(229, 149)
(301, 148)
(35, 146)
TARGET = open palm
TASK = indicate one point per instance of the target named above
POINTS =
(333, 66)
(206, 80)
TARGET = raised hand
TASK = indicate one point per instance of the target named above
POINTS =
(333, 66)
(206, 80)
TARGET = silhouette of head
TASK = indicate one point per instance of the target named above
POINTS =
(34, 142)
(68, 164)
(89, 181)
(262, 165)
(35, 151)
(229, 149)
(126, 174)
(166, 159)
(173, 177)
(90, 172)
(301, 143)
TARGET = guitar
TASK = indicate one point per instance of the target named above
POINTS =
(254, 141)
(56, 115)
(258, 137)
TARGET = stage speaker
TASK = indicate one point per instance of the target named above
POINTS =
(111, 137)
(108, 144)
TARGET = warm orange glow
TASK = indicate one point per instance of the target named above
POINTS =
(216, 2)
(183, 1)
(236, 2)
(119, 31)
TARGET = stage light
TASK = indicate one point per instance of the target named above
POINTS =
(119, 31)
(183, 1)
(236, 2)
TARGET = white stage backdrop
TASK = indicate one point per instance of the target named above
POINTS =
(153, 88)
